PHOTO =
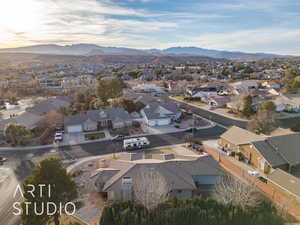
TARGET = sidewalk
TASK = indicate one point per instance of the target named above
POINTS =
(218, 111)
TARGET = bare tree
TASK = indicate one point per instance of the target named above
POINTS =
(188, 138)
(263, 122)
(150, 187)
(230, 190)
(238, 100)
(114, 148)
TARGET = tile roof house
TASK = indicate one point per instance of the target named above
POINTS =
(184, 176)
(159, 114)
(264, 153)
(95, 119)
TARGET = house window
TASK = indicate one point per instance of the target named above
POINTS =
(261, 164)
(179, 191)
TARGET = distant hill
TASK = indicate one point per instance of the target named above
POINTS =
(211, 53)
(91, 49)
(51, 59)
(79, 49)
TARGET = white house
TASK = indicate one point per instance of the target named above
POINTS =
(157, 114)
(271, 85)
(289, 103)
(247, 84)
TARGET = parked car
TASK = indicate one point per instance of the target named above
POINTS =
(262, 179)
(58, 137)
(2, 159)
(253, 173)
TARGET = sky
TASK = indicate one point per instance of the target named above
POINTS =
(271, 26)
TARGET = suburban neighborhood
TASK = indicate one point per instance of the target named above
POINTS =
(142, 112)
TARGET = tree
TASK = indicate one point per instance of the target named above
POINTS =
(248, 109)
(97, 103)
(110, 88)
(232, 191)
(16, 133)
(150, 187)
(59, 184)
(289, 75)
(194, 211)
(12, 99)
(125, 103)
(268, 106)
(238, 100)
(296, 128)
(263, 122)
(188, 138)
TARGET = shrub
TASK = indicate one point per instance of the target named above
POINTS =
(136, 124)
(296, 128)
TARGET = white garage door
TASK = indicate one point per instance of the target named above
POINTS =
(74, 129)
(151, 123)
(163, 122)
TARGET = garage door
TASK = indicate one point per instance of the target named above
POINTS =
(74, 129)
(151, 123)
(163, 122)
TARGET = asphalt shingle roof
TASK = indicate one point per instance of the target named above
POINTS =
(239, 136)
(178, 173)
(115, 114)
(159, 111)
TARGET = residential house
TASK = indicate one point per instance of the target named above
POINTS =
(148, 75)
(159, 114)
(88, 80)
(246, 84)
(217, 101)
(119, 179)
(29, 120)
(52, 104)
(94, 120)
(50, 83)
(148, 88)
(264, 153)
(3, 83)
(209, 89)
(289, 103)
(71, 82)
(271, 84)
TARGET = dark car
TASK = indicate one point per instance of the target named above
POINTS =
(262, 179)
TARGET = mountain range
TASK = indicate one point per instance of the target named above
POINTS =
(92, 50)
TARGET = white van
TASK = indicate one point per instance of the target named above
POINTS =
(135, 143)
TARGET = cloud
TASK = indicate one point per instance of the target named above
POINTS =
(284, 41)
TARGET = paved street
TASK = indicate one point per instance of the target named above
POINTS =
(222, 120)
(21, 163)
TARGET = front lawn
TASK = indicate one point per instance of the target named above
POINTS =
(96, 136)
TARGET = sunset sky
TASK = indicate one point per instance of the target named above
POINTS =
(247, 25)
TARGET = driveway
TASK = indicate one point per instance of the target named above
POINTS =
(8, 184)
(73, 138)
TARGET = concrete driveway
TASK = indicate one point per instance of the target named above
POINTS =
(8, 184)
(73, 138)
